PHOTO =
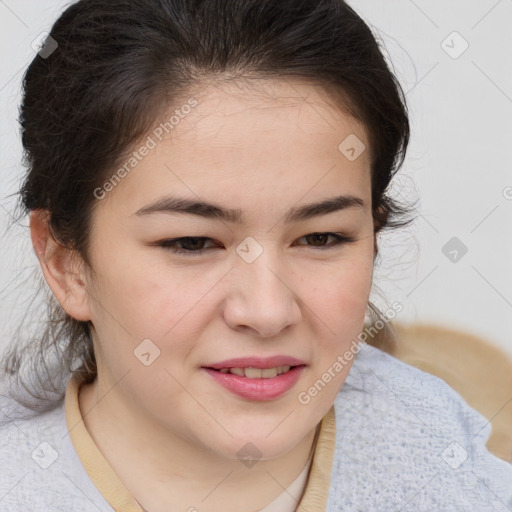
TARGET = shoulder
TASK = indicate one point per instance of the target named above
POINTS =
(407, 439)
(40, 468)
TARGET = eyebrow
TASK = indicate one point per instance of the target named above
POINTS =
(172, 205)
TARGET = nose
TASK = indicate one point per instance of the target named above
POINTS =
(261, 297)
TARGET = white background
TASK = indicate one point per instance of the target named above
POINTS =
(458, 162)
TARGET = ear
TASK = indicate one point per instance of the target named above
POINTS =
(62, 267)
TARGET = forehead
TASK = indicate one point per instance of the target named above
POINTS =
(244, 142)
(270, 104)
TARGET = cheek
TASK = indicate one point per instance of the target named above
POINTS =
(340, 294)
(147, 299)
(339, 305)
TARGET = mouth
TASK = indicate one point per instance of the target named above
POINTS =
(257, 384)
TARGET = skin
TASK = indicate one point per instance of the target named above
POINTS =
(170, 432)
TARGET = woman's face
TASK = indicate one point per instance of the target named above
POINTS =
(263, 286)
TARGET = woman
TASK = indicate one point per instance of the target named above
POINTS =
(206, 183)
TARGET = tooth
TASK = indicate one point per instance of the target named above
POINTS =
(269, 373)
(257, 373)
(253, 373)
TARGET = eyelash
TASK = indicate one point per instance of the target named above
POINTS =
(170, 243)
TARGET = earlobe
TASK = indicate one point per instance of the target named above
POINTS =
(62, 267)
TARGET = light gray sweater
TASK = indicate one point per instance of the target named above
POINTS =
(405, 441)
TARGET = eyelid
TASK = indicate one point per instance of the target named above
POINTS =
(340, 240)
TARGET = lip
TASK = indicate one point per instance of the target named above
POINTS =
(257, 362)
(256, 389)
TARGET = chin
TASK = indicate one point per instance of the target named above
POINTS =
(260, 446)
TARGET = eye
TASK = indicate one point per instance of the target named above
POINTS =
(194, 245)
(322, 237)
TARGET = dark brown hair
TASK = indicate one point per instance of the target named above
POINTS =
(120, 64)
